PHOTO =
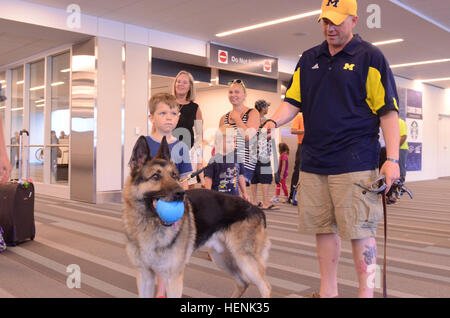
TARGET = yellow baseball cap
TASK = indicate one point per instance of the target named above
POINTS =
(338, 10)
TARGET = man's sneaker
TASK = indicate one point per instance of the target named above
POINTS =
(274, 200)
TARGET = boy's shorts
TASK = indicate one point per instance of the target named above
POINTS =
(263, 173)
(334, 204)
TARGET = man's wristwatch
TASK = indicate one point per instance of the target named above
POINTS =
(271, 120)
(391, 159)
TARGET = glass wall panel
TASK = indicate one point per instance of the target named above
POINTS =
(3, 103)
(37, 103)
(60, 117)
(17, 85)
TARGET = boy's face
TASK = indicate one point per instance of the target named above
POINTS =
(164, 119)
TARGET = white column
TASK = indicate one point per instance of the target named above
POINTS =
(137, 74)
(109, 115)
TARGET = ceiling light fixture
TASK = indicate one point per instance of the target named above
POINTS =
(387, 42)
(57, 83)
(434, 80)
(37, 88)
(269, 23)
(420, 63)
(65, 70)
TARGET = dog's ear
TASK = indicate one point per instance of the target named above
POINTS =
(140, 155)
(164, 150)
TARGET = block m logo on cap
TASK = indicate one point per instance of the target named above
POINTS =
(333, 2)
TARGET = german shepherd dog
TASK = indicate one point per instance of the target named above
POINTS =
(233, 229)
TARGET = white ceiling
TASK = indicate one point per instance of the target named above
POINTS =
(437, 10)
(20, 40)
(202, 19)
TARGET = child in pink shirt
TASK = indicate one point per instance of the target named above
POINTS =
(282, 172)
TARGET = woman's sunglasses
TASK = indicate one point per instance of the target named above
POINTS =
(237, 81)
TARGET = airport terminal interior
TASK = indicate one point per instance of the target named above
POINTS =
(78, 75)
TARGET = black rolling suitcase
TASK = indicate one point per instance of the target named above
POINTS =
(17, 206)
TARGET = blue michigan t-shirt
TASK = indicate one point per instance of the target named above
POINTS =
(225, 174)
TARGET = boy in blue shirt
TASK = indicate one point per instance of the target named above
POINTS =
(226, 174)
(164, 115)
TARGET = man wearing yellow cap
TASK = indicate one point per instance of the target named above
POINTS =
(346, 91)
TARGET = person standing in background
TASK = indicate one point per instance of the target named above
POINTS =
(297, 128)
(191, 119)
(246, 123)
(283, 149)
(263, 168)
(404, 149)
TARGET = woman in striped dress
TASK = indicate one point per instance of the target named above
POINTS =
(246, 123)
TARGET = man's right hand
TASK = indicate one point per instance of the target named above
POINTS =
(268, 125)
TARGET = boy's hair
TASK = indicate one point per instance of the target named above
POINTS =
(165, 98)
(191, 93)
(282, 147)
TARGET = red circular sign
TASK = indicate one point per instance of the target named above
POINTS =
(223, 56)
(267, 66)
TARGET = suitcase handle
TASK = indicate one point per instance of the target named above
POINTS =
(23, 131)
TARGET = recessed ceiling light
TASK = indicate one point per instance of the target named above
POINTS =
(420, 63)
(434, 80)
(37, 88)
(387, 42)
(269, 23)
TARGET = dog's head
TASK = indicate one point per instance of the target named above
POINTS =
(152, 179)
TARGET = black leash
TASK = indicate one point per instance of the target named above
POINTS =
(383, 195)
(395, 192)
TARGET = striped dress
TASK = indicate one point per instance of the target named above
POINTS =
(246, 151)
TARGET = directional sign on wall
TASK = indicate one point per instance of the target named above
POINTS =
(241, 61)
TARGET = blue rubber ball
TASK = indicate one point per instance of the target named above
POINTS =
(170, 212)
